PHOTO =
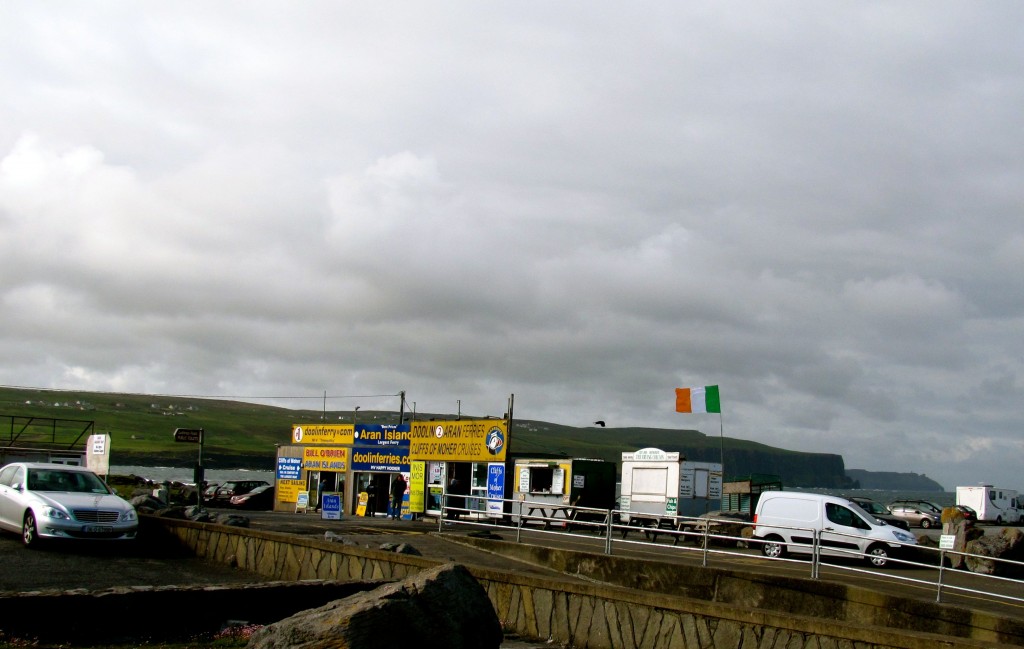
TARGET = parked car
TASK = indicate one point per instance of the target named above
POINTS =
(970, 515)
(59, 501)
(222, 494)
(261, 498)
(797, 522)
(918, 513)
(211, 488)
(879, 511)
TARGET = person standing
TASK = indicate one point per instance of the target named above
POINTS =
(397, 494)
(454, 503)
(371, 498)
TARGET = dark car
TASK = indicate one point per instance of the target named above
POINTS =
(879, 511)
(970, 515)
(222, 494)
(261, 498)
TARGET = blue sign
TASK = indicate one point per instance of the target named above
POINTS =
(495, 488)
(382, 435)
(386, 459)
(289, 468)
(330, 507)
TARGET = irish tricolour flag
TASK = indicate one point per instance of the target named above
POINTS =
(698, 399)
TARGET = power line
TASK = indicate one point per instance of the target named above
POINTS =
(202, 396)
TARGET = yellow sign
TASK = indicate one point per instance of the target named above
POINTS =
(464, 440)
(323, 434)
(364, 499)
(324, 458)
(417, 483)
(287, 491)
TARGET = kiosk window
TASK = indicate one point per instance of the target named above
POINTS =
(480, 476)
(649, 481)
(540, 479)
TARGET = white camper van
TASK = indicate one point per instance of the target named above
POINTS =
(788, 521)
(994, 505)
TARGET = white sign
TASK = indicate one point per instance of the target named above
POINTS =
(558, 481)
(98, 457)
(946, 541)
(650, 455)
(524, 479)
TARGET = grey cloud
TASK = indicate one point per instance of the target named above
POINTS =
(816, 208)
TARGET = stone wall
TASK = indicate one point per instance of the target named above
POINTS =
(600, 615)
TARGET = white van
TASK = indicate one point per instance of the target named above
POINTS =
(787, 522)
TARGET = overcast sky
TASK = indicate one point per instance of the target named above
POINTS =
(816, 206)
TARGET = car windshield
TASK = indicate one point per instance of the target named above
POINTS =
(72, 481)
(873, 508)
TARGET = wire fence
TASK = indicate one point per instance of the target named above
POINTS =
(733, 537)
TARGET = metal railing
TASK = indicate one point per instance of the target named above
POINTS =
(708, 536)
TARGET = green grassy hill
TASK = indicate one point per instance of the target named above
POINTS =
(245, 435)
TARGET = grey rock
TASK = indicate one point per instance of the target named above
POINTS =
(338, 538)
(1008, 544)
(440, 608)
(198, 514)
(401, 548)
(234, 520)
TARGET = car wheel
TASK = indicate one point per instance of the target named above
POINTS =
(773, 548)
(878, 555)
(29, 531)
(926, 523)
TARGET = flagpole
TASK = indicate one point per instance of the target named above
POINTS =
(721, 437)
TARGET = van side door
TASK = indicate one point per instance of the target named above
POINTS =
(844, 531)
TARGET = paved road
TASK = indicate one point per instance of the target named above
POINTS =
(98, 567)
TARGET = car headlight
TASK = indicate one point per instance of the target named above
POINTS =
(129, 516)
(903, 537)
(53, 512)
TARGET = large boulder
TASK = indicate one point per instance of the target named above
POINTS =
(441, 608)
(955, 524)
(1008, 544)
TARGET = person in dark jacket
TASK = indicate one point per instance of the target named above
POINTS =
(455, 501)
(397, 494)
(371, 499)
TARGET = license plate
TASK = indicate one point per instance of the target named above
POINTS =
(97, 529)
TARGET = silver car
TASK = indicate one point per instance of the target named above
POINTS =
(917, 512)
(58, 501)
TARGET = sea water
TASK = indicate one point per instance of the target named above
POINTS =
(184, 475)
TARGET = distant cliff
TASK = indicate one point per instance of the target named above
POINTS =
(246, 435)
(742, 458)
(894, 481)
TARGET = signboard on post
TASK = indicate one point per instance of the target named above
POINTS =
(495, 489)
(189, 435)
(330, 507)
(194, 436)
(98, 457)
